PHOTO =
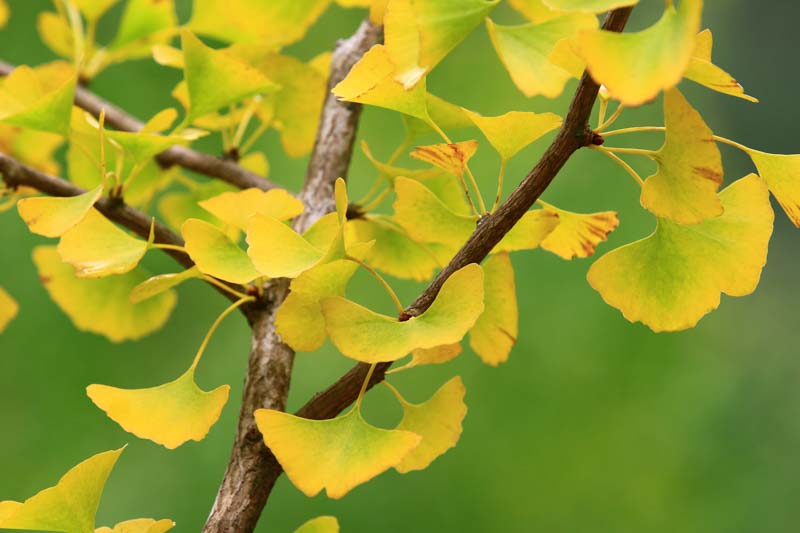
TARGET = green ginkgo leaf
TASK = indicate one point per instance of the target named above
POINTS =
(636, 67)
(437, 421)
(8, 309)
(215, 79)
(39, 98)
(366, 336)
(144, 23)
(674, 277)
(170, 414)
(495, 332)
(52, 217)
(525, 51)
(689, 167)
(535, 10)
(68, 507)
(236, 208)
(336, 455)
(162, 283)
(215, 254)
(515, 130)
(102, 305)
(588, 6)
(703, 71)
(139, 525)
(94, 9)
(320, 524)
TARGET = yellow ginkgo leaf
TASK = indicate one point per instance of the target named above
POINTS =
(515, 130)
(393, 171)
(161, 283)
(366, 336)
(94, 9)
(102, 305)
(320, 524)
(169, 414)
(689, 167)
(39, 98)
(179, 206)
(529, 232)
(437, 421)
(31, 147)
(8, 309)
(452, 158)
(588, 6)
(430, 356)
(704, 72)
(449, 117)
(674, 277)
(236, 208)
(495, 332)
(371, 81)
(56, 34)
(635, 67)
(96, 247)
(139, 525)
(144, 23)
(578, 234)
(277, 251)
(4, 13)
(52, 217)
(215, 79)
(525, 51)
(535, 10)
(782, 174)
(69, 506)
(215, 254)
(337, 454)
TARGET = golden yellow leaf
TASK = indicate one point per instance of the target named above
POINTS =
(674, 277)
(320, 524)
(430, 356)
(52, 217)
(515, 130)
(139, 525)
(452, 158)
(782, 174)
(578, 234)
(31, 147)
(535, 10)
(689, 167)
(161, 283)
(4, 13)
(236, 208)
(39, 98)
(102, 305)
(337, 454)
(706, 73)
(94, 9)
(635, 67)
(215, 254)
(277, 251)
(588, 6)
(8, 309)
(529, 232)
(495, 332)
(366, 336)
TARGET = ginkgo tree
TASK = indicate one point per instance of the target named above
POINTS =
(285, 258)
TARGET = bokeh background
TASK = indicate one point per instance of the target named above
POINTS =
(594, 424)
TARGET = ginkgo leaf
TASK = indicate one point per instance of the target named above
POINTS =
(452, 158)
(179, 206)
(139, 525)
(69, 506)
(430, 356)
(170, 414)
(515, 130)
(56, 34)
(782, 174)
(495, 332)
(437, 421)
(31, 147)
(216, 79)
(578, 234)
(215, 254)
(102, 305)
(4, 13)
(448, 116)
(706, 73)
(689, 167)
(392, 171)
(94, 9)
(635, 67)
(96, 247)
(371, 81)
(141, 146)
(529, 231)
(52, 217)
(674, 277)
(144, 23)
(337, 454)
(588, 6)
(366, 336)
(535, 10)
(162, 283)
(8, 309)
(39, 98)
(277, 251)
(320, 524)
(525, 51)
(236, 208)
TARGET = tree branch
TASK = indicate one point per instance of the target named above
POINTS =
(251, 471)
(181, 156)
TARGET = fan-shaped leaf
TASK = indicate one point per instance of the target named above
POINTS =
(782, 174)
(320, 524)
(430, 356)
(452, 158)
(515, 130)
(577, 234)
(706, 73)
(588, 6)
(39, 98)
(8, 309)
(495, 332)
(236, 208)
(52, 217)
(216, 254)
(140, 525)
(161, 283)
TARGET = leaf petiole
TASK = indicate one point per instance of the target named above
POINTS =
(214, 327)
(470, 175)
(622, 163)
(215, 282)
(382, 281)
(364, 386)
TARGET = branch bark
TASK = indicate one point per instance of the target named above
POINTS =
(250, 475)
(181, 156)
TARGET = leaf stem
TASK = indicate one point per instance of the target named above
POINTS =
(254, 137)
(163, 246)
(623, 164)
(382, 281)
(376, 201)
(637, 129)
(245, 121)
(215, 282)
(629, 151)
(613, 118)
(396, 392)
(102, 133)
(482, 206)
(231, 308)
(500, 178)
(364, 386)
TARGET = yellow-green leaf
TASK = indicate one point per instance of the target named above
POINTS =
(8, 309)
(452, 158)
(31, 147)
(236, 208)
(706, 73)
(52, 217)
(430, 356)
(535, 10)
(94, 9)
(216, 254)
(170, 414)
(39, 98)
(495, 332)
(161, 283)
(4, 13)
(578, 234)
(179, 206)
(320, 524)
(588, 6)
(139, 525)
(337, 454)
(515, 130)
(102, 305)
(525, 51)
(635, 67)
(277, 251)
(689, 167)
(437, 421)
(69, 506)
(364, 335)
(144, 23)
(674, 277)
(782, 174)
(56, 34)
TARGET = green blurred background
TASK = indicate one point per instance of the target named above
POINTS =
(594, 424)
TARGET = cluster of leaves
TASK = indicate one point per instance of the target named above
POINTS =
(707, 241)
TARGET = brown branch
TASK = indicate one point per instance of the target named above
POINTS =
(251, 471)
(181, 156)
